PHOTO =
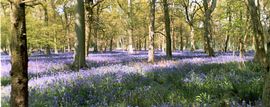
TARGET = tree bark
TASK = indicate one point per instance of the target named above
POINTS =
(145, 43)
(207, 26)
(266, 89)
(192, 38)
(111, 44)
(46, 21)
(67, 28)
(258, 32)
(227, 38)
(55, 43)
(167, 29)
(89, 9)
(96, 29)
(130, 28)
(241, 48)
(79, 60)
(19, 57)
(261, 55)
(151, 50)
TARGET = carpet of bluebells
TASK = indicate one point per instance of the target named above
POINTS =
(119, 79)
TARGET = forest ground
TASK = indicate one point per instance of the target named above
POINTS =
(119, 79)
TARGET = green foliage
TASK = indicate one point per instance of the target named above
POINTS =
(5, 81)
(214, 84)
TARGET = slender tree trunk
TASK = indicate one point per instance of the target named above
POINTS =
(89, 8)
(192, 38)
(167, 29)
(227, 38)
(241, 48)
(140, 45)
(173, 33)
(79, 60)
(130, 27)
(95, 40)
(69, 46)
(145, 41)
(67, 35)
(187, 42)
(19, 60)
(46, 21)
(163, 44)
(181, 43)
(111, 44)
(151, 50)
(55, 43)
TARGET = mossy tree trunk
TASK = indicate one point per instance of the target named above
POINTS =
(262, 56)
(19, 58)
(207, 26)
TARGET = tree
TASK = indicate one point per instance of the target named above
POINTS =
(89, 9)
(151, 31)
(227, 38)
(190, 10)
(261, 55)
(207, 26)
(130, 27)
(19, 61)
(167, 29)
(79, 60)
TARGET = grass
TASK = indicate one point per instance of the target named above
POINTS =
(213, 84)
(5, 81)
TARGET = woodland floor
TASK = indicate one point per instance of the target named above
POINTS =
(119, 79)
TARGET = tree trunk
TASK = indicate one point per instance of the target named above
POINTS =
(261, 55)
(140, 45)
(19, 60)
(163, 46)
(241, 48)
(89, 8)
(192, 38)
(130, 27)
(227, 38)
(258, 32)
(151, 50)
(111, 44)
(55, 43)
(207, 26)
(46, 21)
(145, 43)
(187, 42)
(167, 29)
(266, 89)
(66, 27)
(95, 40)
(79, 60)
(173, 33)
(181, 43)
(130, 42)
